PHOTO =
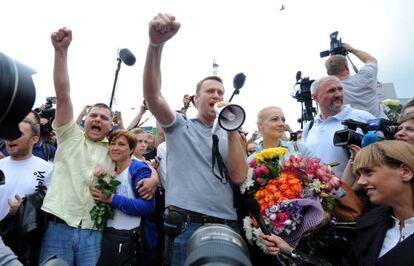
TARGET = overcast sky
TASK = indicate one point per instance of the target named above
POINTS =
(255, 37)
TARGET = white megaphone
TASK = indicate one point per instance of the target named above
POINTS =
(230, 117)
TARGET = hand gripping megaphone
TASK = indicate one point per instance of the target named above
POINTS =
(230, 117)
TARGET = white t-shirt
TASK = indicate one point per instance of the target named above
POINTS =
(23, 177)
(162, 167)
(122, 220)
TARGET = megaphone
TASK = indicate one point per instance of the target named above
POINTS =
(230, 117)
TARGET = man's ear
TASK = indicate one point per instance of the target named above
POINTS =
(35, 139)
(406, 173)
(196, 100)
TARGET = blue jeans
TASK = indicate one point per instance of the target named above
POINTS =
(179, 253)
(76, 246)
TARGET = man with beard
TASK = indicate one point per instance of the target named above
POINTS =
(71, 235)
(318, 135)
(24, 173)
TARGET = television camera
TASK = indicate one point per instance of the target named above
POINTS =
(303, 95)
(47, 111)
(349, 135)
(336, 48)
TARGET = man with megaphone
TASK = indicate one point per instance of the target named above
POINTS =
(192, 189)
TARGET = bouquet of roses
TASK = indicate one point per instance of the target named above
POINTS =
(292, 194)
(105, 182)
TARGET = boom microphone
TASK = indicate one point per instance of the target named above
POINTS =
(127, 57)
(238, 81)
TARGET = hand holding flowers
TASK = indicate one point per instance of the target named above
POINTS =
(102, 192)
(292, 194)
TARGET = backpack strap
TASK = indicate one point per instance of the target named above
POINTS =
(46, 150)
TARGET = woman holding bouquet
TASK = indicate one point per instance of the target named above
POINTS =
(122, 237)
(271, 125)
(385, 234)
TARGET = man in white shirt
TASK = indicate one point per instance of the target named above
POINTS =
(24, 173)
(328, 93)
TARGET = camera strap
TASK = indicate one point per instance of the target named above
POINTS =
(223, 175)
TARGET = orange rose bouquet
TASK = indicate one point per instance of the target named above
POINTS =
(292, 194)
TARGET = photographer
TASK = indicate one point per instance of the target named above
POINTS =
(359, 89)
(41, 149)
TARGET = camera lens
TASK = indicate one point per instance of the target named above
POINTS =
(216, 244)
(17, 95)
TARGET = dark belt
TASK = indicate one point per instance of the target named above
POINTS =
(198, 218)
(55, 219)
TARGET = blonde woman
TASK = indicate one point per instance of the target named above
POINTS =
(385, 234)
(271, 124)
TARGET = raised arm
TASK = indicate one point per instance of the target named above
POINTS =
(161, 29)
(362, 55)
(61, 40)
(135, 122)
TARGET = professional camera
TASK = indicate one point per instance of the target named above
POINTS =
(17, 95)
(303, 95)
(336, 46)
(47, 112)
(387, 127)
(216, 244)
(349, 135)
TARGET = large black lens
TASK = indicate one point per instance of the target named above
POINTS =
(347, 136)
(216, 244)
(17, 95)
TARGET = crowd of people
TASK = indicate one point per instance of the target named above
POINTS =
(174, 172)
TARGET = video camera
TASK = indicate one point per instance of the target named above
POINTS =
(349, 135)
(304, 96)
(336, 46)
(47, 112)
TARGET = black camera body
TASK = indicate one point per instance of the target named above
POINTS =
(304, 96)
(336, 46)
(349, 135)
(47, 112)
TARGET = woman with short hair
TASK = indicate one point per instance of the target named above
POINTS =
(385, 234)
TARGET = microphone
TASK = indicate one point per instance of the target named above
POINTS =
(254, 209)
(298, 75)
(369, 138)
(238, 81)
(173, 224)
(127, 57)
